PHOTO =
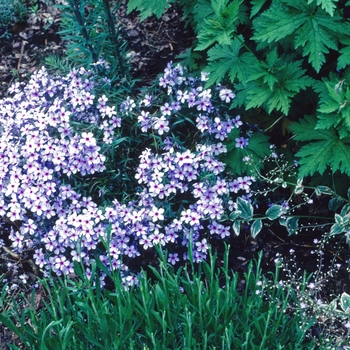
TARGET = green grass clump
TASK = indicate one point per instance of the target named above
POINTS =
(185, 309)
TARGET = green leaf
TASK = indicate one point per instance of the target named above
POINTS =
(310, 28)
(339, 219)
(328, 5)
(202, 10)
(334, 108)
(291, 224)
(188, 59)
(218, 23)
(333, 305)
(257, 94)
(345, 302)
(299, 188)
(256, 6)
(258, 148)
(335, 203)
(237, 227)
(241, 97)
(323, 87)
(273, 84)
(324, 190)
(235, 214)
(344, 57)
(337, 229)
(212, 33)
(277, 22)
(245, 207)
(312, 160)
(345, 210)
(267, 71)
(324, 148)
(7, 322)
(256, 228)
(226, 60)
(274, 212)
(148, 8)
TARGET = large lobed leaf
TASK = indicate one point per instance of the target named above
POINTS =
(148, 8)
(217, 23)
(258, 148)
(274, 83)
(227, 60)
(311, 27)
(256, 7)
(324, 148)
(344, 57)
(328, 5)
(334, 110)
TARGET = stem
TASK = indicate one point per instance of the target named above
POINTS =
(113, 34)
(245, 45)
(78, 15)
(274, 123)
(296, 216)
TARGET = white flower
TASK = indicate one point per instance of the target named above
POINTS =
(88, 139)
(157, 214)
(202, 246)
(161, 124)
(226, 95)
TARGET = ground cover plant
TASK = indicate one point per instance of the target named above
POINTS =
(181, 309)
(48, 164)
(98, 178)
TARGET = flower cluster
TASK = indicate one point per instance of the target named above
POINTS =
(184, 194)
(41, 152)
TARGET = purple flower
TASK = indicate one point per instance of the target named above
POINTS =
(173, 258)
(242, 142)
(55, 130)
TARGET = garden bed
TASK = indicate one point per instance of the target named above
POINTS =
(153, 44)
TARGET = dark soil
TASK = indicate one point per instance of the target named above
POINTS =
(154, 43)
(27, 43)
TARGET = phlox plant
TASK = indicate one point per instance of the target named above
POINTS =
(58, 137)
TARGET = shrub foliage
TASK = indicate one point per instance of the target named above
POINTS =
(284, 57)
